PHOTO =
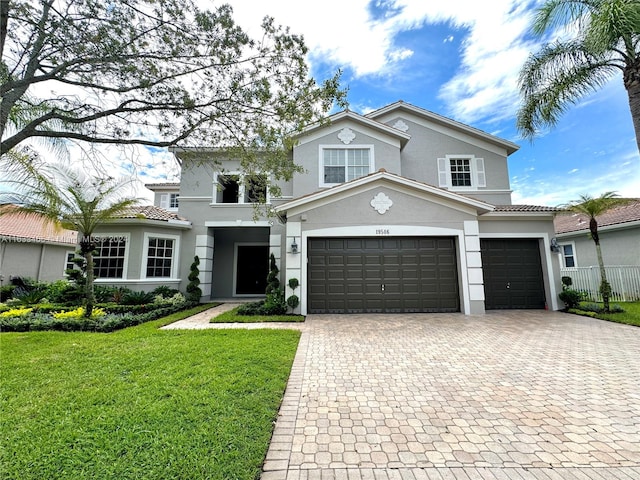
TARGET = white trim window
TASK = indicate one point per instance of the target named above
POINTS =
(169, 201)
(239, 188)
(69, 264)
(568, 255)
(341, 164)
(461, 172)
(110, 259)
(160, 258)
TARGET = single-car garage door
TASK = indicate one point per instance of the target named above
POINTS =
(512, 273)
(386, 275)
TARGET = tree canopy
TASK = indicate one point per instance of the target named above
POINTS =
(600, 39)
(152, 72)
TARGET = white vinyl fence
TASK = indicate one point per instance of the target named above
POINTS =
(624, 280)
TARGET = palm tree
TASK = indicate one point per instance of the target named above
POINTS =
(592, 208)
(68, 198)
(606, 39)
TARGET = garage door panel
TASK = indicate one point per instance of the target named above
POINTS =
(512, 272)
(419, 274)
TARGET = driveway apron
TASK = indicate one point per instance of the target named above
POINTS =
(507, 395)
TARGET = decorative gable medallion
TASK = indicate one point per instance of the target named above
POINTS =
(400, 125)
(346, 135)
(381, 203)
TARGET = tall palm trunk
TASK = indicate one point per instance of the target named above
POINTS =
(90, 297)
(631, 77)
(604, 284)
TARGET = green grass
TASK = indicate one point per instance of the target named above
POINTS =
(630, 316)
(231, 316)
(140, 403)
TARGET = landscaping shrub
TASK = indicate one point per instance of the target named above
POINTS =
(571, 298)
(594, 307)
(138, 298)
(74, 321)
(6, 292)
(165, 291)
(193, 290)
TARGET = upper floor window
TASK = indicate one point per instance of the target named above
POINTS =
(239, 188)
(340, 165)
(169, 201)
(461, 172)
(110, 256)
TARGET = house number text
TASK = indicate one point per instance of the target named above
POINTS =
(383, 231)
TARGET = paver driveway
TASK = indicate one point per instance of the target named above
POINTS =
(514, 395)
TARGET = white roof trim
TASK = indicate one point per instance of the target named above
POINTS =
(357, 118)
(508, 145)
(382, 175)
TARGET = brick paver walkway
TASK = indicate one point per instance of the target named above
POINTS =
(510, 395)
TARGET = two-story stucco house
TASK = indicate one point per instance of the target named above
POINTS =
(398, 210)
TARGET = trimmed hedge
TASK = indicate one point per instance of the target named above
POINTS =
(107, 323)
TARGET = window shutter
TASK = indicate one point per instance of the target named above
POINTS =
(480, 176)
(443, 172)
(164, 201)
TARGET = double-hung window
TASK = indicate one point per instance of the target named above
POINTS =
(169, 201)
(463, 172)
(568, 256)
(340, 165)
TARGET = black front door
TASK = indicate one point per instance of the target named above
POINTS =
(252, 268)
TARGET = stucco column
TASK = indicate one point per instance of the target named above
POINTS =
(474, 266)
(204, 251)
(294, 260)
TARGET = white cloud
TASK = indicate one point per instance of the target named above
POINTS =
(345, 35)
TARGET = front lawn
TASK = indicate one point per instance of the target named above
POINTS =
(232, 316)
(140, 403)
(630, 316)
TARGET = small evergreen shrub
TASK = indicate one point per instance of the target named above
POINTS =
(194, 293)
(571, 298)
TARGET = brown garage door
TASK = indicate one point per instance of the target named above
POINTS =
(382, 275)
(512, 272)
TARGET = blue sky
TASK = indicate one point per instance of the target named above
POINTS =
(461, 58)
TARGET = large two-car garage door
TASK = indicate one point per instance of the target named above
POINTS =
(387, 275)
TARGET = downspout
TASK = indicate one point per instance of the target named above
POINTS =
(42, 252)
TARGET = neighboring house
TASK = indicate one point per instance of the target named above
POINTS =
(32, 247)
(398, 210)
(619, 232)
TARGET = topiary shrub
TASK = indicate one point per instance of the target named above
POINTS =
(194, 293)
(273, 280)
(571, 298)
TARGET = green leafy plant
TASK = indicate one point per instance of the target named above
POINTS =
(194, 293)
(138, 298)
(571, 298)
(273, 278)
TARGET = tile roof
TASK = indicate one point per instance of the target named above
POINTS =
(524, 208)
(35, 229)
(573, 222)
(151, 212)
(166, 184)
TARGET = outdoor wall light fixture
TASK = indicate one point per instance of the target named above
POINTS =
(294, 246)
(555, 248)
